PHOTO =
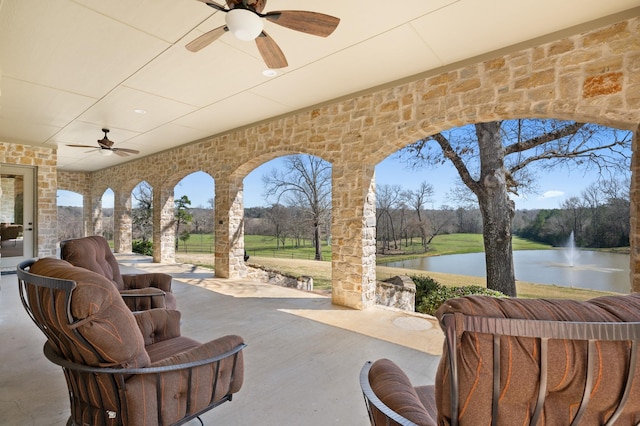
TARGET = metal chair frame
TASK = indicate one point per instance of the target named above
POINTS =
(590, 332)
(79, 375)
(372, 402)
(544, 331)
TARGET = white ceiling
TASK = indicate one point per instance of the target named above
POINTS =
(71, 67)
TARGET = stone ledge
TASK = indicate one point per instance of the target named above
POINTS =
(274, 277)
(397, 292)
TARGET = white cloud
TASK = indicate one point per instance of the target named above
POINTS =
(552, 194)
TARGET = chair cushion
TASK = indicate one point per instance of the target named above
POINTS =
(100, 317)
(166, 348)
(519, 363)
(392, 386)
(142, 392)
(93, 253)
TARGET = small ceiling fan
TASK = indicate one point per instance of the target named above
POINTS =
(106, 147)
(245, 20)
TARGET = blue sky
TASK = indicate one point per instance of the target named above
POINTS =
(553, 187)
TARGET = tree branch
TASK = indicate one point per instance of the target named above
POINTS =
(450, 154)
(555, 154)
(569, 130)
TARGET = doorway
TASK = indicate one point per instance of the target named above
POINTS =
(17, 218)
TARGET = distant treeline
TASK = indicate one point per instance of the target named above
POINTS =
(602, 227)
(599, 224)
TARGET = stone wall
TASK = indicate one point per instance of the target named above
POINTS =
(7, 200)
(44, 161)
(276, 278)
(592, 76)
(398, 292)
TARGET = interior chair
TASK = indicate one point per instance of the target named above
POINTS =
(141, 291)
(123, 367)
(520, 361)
(9, 231)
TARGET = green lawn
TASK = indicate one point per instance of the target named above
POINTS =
(472, 243)
(265, 246)
(453, 244)
(257, 245)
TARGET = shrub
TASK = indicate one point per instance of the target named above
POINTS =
(142, 247)
(430, 294)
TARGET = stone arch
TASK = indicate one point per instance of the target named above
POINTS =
(229, 209)
(164, 232)
(173, 179)
(84, 226)
(99, 226)
(122, 215)
(242, 170)
(589, 76)
(79, 183)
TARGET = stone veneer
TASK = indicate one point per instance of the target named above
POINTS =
(44, 161)
(592, 76)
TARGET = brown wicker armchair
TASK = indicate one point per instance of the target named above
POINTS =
(524, 362)
(123, 367)
(141, 291)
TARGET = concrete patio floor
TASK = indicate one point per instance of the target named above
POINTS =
(301, 364)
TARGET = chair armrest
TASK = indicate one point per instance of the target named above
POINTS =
(158, 324)
(226, 350)
(199, 379)
(152, 279)
(53, 356)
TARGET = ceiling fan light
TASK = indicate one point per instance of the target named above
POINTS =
(244, 24)
(105, 152)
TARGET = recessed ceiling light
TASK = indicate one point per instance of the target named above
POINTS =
(139, 111)
(269, 73)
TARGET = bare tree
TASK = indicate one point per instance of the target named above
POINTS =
(439, 222)
(491, 158)
(278, 216)
(69, 222)
(306, 183)
(574, 215)
(142, 211)
(202, 220)
(387, 199)
(417, 200)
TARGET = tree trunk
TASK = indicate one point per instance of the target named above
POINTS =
(316, 235)
(497, 210)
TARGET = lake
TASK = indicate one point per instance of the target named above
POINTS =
(591, 269)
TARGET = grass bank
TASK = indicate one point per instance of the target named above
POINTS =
(321, 273)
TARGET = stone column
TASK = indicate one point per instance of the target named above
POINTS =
(229, 230)
(122, 222)
(634, 210)
(163, 225)
(96, 215)
(353, 266)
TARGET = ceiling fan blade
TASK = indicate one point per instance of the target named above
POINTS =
(270, 51)
(206, 39)
(313, 23)
(82, 146)
(214, 5)
(120, 152)
(130, 151)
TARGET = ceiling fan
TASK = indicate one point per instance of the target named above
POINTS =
(106, 147)
(245, 20)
